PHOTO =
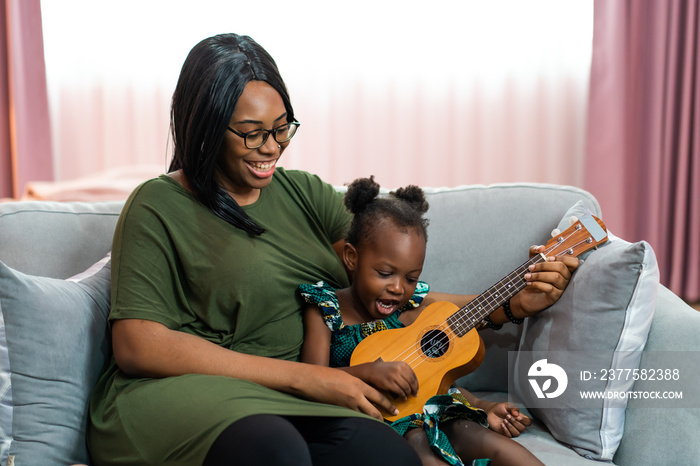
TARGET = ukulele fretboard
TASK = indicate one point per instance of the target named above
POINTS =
(473, 313)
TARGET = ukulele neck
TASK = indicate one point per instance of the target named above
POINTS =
(473, 313)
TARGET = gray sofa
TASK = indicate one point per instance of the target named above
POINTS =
(477, 235)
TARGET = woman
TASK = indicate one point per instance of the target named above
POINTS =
(206, 325)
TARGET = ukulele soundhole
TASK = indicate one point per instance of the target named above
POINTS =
(435, 343)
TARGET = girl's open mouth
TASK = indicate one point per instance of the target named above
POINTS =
(387, 307)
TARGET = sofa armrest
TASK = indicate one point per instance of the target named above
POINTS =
(665, 435)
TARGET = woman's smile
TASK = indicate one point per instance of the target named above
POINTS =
(262, 169)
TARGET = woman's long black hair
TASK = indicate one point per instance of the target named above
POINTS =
(211, 81)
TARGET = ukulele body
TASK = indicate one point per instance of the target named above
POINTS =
(436, 353)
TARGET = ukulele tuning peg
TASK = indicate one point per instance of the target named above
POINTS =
(572, 220)
(556, 232)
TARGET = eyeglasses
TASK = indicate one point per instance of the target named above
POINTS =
(257, 138)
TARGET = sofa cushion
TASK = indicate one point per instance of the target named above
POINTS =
(600, 323)
(539, 441)
(56, 239)
(55, 340)
(5, 396)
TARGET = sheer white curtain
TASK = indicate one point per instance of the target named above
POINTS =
(439, 93)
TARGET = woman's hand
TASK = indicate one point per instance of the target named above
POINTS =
(335, 386)
(396, 378)
(546, 281)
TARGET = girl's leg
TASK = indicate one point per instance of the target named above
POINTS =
(263, 440)
(472, 441)
(419, 441)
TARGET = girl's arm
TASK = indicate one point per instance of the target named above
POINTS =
(316, 348)
(504, 418)
(546, 281)
(144, 348)
(396, 378)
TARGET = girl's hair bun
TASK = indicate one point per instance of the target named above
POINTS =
(413, 195)
(402, 209)
(360, 194)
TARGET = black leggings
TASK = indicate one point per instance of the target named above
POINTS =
(267, 439)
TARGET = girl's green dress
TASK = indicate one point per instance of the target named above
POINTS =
(344, 339)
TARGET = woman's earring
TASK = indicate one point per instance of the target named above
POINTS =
(279, 146)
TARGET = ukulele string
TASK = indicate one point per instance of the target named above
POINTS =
(486, 303)
(482, 303)
(418, 350)
(507, 282)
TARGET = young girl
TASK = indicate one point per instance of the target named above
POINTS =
(384, 253)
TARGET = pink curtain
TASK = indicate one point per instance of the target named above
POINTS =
(643, 151)
(435, 99)
(25, 137)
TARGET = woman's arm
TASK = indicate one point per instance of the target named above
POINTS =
(145, 348)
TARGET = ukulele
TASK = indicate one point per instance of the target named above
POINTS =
(443, 343)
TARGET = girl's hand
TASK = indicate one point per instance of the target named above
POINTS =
(396, 378)
(506, 419)
(546, 282)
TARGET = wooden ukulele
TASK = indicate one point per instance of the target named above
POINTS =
(443, 344)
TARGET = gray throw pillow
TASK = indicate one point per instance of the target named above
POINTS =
(601, 321)
(55, 340)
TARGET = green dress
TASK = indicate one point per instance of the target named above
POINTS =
(176, 263)
(344, 338)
